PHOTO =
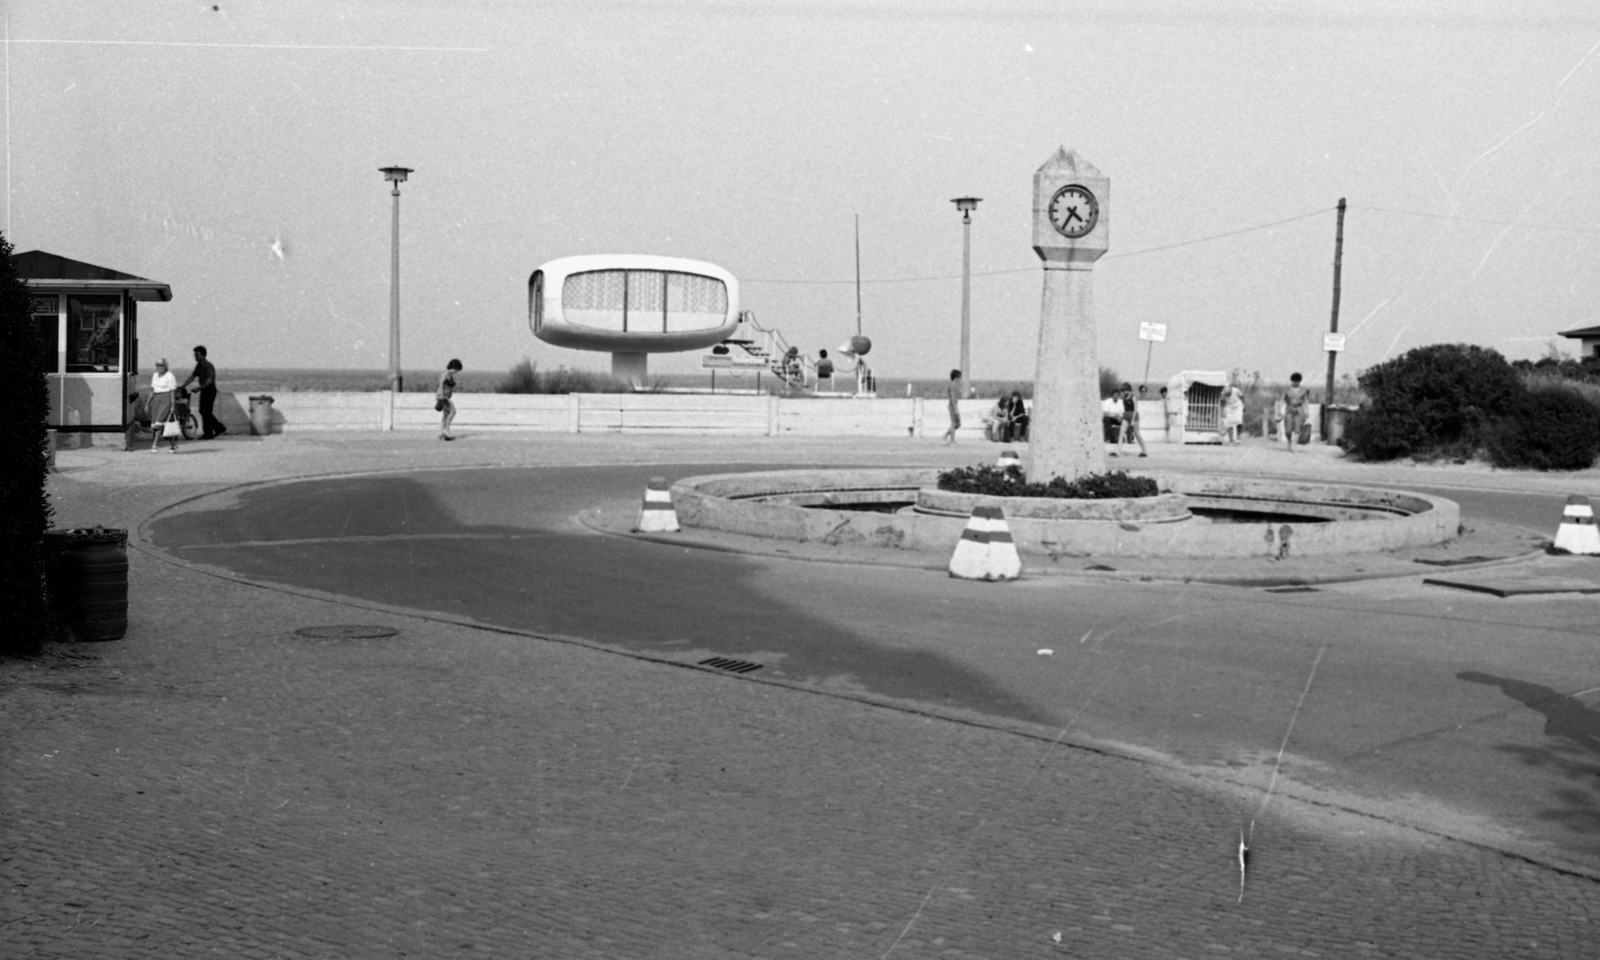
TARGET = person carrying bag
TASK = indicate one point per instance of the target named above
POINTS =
(163, 410)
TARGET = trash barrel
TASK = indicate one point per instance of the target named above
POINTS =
(261, 416)
(86, 578)
(1334, 417)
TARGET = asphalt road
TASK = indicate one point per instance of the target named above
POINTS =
(1438, 709)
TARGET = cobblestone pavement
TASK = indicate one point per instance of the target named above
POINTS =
(215, 785)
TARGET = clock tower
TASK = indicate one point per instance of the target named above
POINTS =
(1071, 230)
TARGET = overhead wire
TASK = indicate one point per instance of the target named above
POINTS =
(1499, 223)
(1187, 243)
(998, 273)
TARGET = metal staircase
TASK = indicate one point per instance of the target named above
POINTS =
(773, 352)
(796, 371)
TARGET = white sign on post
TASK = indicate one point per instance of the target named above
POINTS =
(1156, 332)
(1333, 342)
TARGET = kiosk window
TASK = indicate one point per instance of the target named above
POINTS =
(47, 320)
(94, 334)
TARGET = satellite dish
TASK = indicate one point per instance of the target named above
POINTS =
(846, 349)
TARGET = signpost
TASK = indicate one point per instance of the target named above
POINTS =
(1155, 333)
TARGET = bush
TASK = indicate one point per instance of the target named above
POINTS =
(1432, 401)
(1585, 370)
(24, 505)
(1547, 430)
(995, 482)
(526, 377)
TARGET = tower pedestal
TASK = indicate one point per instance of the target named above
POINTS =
(1064, 434)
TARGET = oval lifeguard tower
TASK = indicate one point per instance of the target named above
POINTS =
(632, 305)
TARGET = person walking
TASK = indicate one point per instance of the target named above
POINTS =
(163, 409)
(1294, 409)
(953, 393)
(204, 372)
(442, 401)
(1232, 412)
(1130, 422)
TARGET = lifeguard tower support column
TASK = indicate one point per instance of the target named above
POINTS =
(1071, 230)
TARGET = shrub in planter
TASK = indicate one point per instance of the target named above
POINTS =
(995, 482)
(1547, 430)
(1432, 400)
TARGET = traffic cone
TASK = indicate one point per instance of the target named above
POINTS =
(1577, 533)
(1008, 458)
(657, 514)
(986, 550)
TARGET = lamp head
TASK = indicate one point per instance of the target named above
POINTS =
(966, 205)
(396, 174)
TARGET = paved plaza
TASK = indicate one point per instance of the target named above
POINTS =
(217, 784)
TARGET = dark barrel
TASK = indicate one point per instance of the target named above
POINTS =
(87, 580)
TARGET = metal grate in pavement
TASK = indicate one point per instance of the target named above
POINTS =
(732, 666)
(346, 631)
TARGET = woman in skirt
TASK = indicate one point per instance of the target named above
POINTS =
(163, 389)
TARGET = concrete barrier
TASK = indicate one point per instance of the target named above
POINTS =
(681, 413)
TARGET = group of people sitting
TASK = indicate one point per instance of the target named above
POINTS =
(1008, 421)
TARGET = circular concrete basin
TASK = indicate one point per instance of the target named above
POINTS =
(1194, 516)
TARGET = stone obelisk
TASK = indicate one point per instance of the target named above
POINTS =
(1071, 230)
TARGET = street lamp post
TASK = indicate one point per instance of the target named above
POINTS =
(966, 205)
(396, 175)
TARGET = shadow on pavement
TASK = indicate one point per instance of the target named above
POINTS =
(394, 540)
(1574, 753)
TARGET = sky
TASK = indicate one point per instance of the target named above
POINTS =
(232, 151)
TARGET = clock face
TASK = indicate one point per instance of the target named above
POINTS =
(1074, 211)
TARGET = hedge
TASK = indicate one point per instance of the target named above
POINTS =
(1547, 430)
(25, 511)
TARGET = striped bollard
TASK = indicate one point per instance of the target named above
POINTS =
(657, 514)
(1578, 533)
(1008, 458)
(986, 550)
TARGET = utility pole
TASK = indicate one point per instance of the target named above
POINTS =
(1333, 355)
(858, 274)
(397, 176)
(966, 205)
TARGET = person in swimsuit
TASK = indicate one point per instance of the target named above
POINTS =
(442, 401)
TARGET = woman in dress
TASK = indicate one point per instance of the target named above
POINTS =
(163, 389)
(442, 401)
(1232, 412)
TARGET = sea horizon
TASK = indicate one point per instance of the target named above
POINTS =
(357, 380)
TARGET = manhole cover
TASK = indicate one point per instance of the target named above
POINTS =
(346, 631)
(1453, 562)
(732, 666)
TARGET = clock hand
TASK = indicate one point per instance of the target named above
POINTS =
(1072, 214)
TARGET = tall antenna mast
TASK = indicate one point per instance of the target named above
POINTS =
(858, 274)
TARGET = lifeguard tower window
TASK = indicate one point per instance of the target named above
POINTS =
(94, 334)
(643, 301)
(47, 320)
